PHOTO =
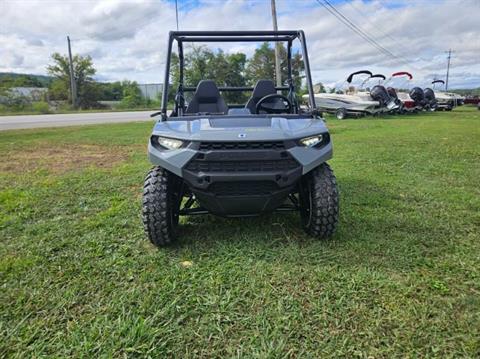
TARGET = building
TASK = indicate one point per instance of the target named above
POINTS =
(32, 93)
(24, 94)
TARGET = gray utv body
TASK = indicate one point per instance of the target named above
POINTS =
(234, 161)
(241, 165)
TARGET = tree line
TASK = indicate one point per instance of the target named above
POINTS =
(201, 62)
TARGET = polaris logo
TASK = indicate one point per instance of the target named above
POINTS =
(237, 156)
(242, 135)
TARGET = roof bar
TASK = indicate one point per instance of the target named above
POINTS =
(234, 33)
(233, 39)
(233, 89)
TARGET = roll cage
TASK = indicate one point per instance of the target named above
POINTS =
(182, 37)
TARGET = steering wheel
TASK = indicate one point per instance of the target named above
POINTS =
(272, 109)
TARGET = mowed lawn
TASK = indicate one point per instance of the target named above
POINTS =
(401, 278)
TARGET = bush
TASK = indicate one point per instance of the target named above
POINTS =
(41, 107)
(61, 106)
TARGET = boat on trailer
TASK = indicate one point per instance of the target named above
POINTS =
(446, 101)
(355, 102)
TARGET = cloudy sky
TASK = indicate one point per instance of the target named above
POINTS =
(127, 39)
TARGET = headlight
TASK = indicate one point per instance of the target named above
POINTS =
(311, 141)
(170, 143)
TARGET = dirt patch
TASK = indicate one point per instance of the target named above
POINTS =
(63, 158)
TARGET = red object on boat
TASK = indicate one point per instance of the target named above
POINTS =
(472, 101)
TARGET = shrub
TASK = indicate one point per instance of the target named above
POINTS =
(41, 107)
(64, 106)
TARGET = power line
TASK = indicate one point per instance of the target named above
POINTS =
(397, 41)
(347, 22)
(378, 29)
(332, 10)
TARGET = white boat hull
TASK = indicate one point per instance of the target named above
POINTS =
(351, 103)
(445, 100)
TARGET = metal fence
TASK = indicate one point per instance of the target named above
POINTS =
(151, 91)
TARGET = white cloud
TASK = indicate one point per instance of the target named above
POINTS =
(127, 39)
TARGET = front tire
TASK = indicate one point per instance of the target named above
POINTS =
(319, 202)
(161, 203)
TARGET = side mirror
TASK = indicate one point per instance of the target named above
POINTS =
(155, 114)
(159, 113)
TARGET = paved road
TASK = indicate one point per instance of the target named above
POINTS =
(73, 119)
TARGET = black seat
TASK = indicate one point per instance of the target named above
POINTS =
(207, 98)
(262, 89)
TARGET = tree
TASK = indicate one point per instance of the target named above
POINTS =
(83, 75)
(58, 90)
(203, 63)
(132, 96)
(262, 65)
(19, 80)
(111, 91)
(233, 69)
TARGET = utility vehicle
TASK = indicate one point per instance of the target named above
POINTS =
(266, 155)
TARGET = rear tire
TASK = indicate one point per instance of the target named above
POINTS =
(161, 203)
(319, 202)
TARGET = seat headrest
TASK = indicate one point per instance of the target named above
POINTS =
(207, 91)
(262, 89)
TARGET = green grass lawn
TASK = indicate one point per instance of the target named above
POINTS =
(401, 278)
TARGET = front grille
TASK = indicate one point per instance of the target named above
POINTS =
(286, 164)
(243, 188)
(209, 146)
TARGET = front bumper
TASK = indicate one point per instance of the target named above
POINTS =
(241, 178)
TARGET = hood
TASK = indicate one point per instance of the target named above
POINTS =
(244, 128)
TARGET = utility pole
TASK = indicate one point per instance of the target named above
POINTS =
(278, 70)
(176, 12)
(449, 52)
(73, 85)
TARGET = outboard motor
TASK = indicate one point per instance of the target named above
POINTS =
(430, 98)
(380, 94)
(391, 91)
(418, 96)
(393, 94)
